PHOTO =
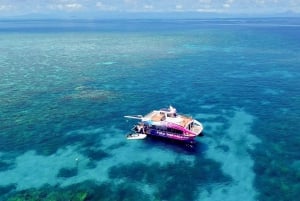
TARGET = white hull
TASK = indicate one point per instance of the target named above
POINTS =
(136, 136)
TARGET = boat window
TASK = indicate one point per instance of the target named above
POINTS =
(172, 115)
(172, 130)
(153, 127)
(190, 126)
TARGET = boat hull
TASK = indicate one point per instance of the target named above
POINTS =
(169, 135)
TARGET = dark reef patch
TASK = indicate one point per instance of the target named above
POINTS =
(67, 172)
(86, 191)
(4, 165)
(42, 126)
(91, 165)
(172, 181)
(6, 189)
(116, 146)
(224, 148)
(95, 154)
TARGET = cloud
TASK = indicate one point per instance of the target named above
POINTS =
(260, 2)
(205, 1)
(17, 7)
(209, 10)
(105, 7)
(228, 4)
(5, 7)
(73, 6)
(66, 6)
(179, 7)
(294, 5)
(130, 1)
(148, 7)
(99, 4)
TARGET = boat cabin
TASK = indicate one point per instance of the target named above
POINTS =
(169, 116)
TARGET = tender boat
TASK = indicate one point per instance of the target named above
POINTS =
(136, 136)
(167, 123)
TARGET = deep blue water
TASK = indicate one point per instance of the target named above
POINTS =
(66, 85)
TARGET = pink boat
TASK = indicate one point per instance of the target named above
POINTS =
(168, 123)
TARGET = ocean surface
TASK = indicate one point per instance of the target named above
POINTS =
(65, 86)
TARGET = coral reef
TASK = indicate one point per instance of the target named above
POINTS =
(67, 172)
(172, 181)
(87, 191)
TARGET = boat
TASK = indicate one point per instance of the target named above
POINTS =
(136, 136)
(167, 123)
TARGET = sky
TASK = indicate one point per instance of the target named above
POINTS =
(87, 8)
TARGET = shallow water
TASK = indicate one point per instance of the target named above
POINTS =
(66, 85)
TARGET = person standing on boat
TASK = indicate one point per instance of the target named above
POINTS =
(140, 128)
(173, 111)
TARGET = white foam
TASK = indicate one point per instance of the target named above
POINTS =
(86, 131)
(108, 63)
(235, 162)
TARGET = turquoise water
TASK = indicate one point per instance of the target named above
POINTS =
(66, 85)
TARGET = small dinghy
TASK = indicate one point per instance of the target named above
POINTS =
(136, 136)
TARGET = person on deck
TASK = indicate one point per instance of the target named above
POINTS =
(140, 128)
(173, 111)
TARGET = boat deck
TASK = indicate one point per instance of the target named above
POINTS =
(157, 116)
(197, 129)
